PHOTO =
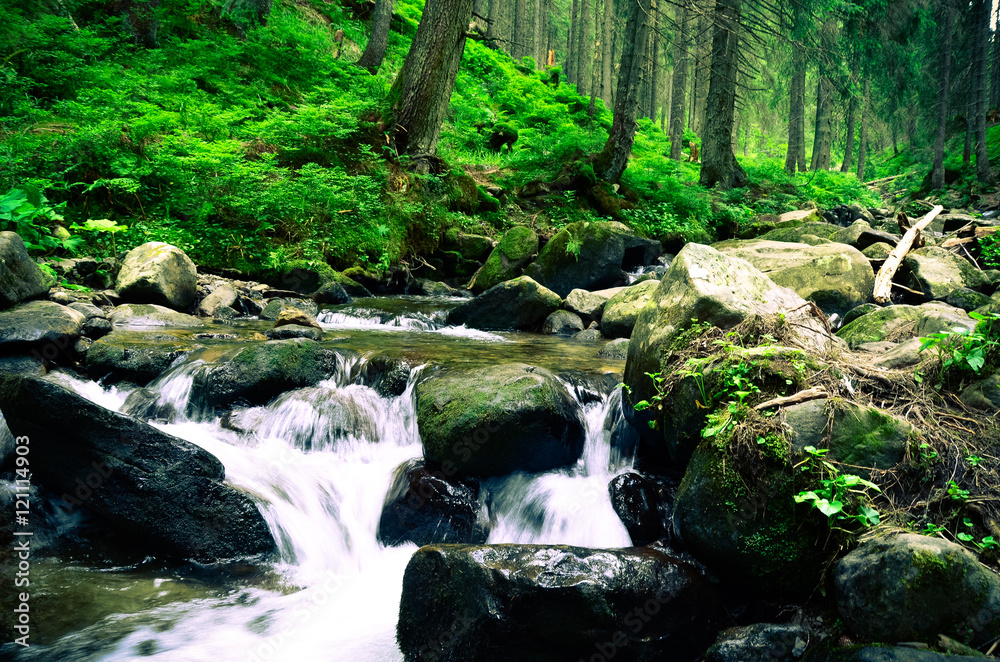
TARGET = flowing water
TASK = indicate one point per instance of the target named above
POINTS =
(318, 461)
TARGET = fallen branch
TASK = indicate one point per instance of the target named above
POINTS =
(883, 180)
(802, 396)
(883, 282)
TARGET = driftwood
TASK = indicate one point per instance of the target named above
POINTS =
(802, 396)
(883, 282)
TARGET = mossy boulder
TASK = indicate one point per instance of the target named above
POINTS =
(588, 305)
(863, 437)
(938, 272)
(496, 420)
(910, 587)
(861, 235)
(20, 277)
(622, 310)
(146, 315)
(966, 299)
(896, 323)
(590, 256)
(837, 277)
(520, 303)
(562, 323)
(137, 357)
(158, 273)
(44, 327)
(743, 523)
(474, 246)
(515, 250)
(309, 276)
(878, 252)
(795, 233)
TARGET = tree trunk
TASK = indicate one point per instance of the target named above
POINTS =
(937, 172)
(371, 59)
(995, 78)
(719, 166)
(796, 156)
(595, 77)
(606, 52)
(422, 89)
(540, 34)
(520, 47)
(479, 8)
(584, 51)
(679, 84)
(703, 67)
(852, 113)
(982, 52)
(142, 18)
(863, 131)
(654, 62)
(494, 33)
(245, 14)
(571, 55)
(611, 162)
(821, 140)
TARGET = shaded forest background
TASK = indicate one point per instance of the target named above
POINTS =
(254, 133)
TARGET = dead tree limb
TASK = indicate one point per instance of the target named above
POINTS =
(883, 282)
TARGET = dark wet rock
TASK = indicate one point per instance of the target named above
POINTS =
(20, 278)
(88, 310)
(622, 310)
(910, 587)
(516, 249)
(427, 507)
(40, 326)
(643, 505)
(885, 653)
(256, 373)
(96, 327)
(158, 273)
(520, 303)
(535, 603)
(388, 376)
(432, 288)
(760, 642)
(144, 315)
(495, 420)
(616, 350)
(133, 356)
(590, 256)
(331, 294)
(287, 331)
(168, 493)
(562, 323)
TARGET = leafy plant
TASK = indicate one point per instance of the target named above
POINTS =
(962, 351)
(842, 498)
(989, 249)
(29, 213)
(956, 492)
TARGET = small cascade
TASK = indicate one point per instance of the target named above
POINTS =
(368, 318)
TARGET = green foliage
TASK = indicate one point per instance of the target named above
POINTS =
(963, 352)
(989, 246)
(842, 498)
(31, 215)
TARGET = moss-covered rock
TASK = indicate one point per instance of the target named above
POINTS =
(20, 277)
(562, 323)
(590, 256)
(913, 588)
(144, 314)
(158, 273)
(878, 251)
(938, 272)
(895, 323)
(42, 326)
(492, 421)
(137, 357)
(520, 303)
(861, 235)
(967, 300)
(837, 277)
(516, 249)
(309, 276)
(794, 233)
(622, 310)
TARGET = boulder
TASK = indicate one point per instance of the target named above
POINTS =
(286, 331)
(42, 326)
(331, 294)
(859, 436)
(835, 276)
(427, 507)
(136, 357)
(165, 492)
(20, 277)
(966, 299)
(590, 255)
(741, 521)
(274, 307)
(562, 323)
(861, 235)
(983, 394)
(520, 303)
(432, 288)
(158, 273)
(223, 295)
(714, 288)
(903, 355)
(307, 277)
(96, 327)
(515, 250)
(296, 317)
(878, 252)
(616, 350)
(642, 504)
(622, 310)
(88, 310)
(256, 373)
(938, 272)
(474, 246)
(883, 653)
(588, 335)
(895, 323)
(795, 233)
(535, 603)
(760, 642)
(909, 587)
(495, 420)
(140, 315)
(799, 216)
(588, 305)
(386, 375)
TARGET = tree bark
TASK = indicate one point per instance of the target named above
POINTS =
(606, 65)
(654, 62)
(995, 75)
(613, 159)
(571, 54)
(142, 18)
(375, 48)
(796, 156)
(863, 130)
(852, 114)
(493, 29)
(679, 84)
(883, 281)
(584, 51)
(982, 51)
(719, 166)
(703, 65)
(937, 171)
(823, 138)
(520, 47)
(540, 34)
(423, 87)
